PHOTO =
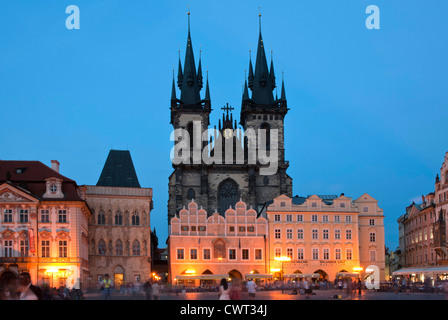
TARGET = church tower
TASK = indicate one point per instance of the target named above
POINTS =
(265, 115)
(218, 185)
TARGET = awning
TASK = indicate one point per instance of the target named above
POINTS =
(259, 276)
(202, 277)
(428, 270)
(347, 275)
(302, 275)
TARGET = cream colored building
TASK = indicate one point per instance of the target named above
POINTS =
(204, 248)
(119, 229)
(326, 237)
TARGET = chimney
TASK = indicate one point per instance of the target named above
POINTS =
(55, 165)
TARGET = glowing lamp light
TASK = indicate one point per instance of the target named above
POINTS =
(52, 270)
(357, 269)
(275, 270)
(282, 258)
(190, 271)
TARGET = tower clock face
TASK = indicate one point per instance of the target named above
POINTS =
(228, 133)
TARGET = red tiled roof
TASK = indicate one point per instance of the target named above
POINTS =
(31, 175)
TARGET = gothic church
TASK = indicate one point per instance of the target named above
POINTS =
(217, 186)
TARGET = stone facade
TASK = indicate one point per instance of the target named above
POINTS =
(219, 185)
(119, 234)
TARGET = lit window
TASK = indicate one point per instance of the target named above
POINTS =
(63, 249)
(45, 249)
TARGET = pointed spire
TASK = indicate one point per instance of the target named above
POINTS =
(271, 72)
(245, 92)
(200, 70)
(190, 83)
(207, 90)
(262, 85)
(179, 74)
(173, 90)
(251, 72)
(283, 94)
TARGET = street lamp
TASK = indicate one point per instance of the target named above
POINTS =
(282, 259)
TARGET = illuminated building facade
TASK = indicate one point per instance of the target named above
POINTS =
(423, 234)
(205, 248)
(119, 228)
(326, 237)
(44, 225)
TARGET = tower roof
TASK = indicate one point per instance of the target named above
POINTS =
(119, 171)
(190, 84)
(262, 83)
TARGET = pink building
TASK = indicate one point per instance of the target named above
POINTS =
(204, 248)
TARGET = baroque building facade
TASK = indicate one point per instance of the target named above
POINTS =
(327, 237)
(422, 234)
(227, 165)
(44, 225)
(119, 228)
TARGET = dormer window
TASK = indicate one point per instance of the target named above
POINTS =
(53, 188)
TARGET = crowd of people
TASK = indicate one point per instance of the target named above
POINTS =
(20, 288)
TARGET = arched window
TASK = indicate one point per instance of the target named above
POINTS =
(118, 218)
(136, 248)
(119, 248)
(228, 195)
(101, 247)
(101, 218)
(135, 219)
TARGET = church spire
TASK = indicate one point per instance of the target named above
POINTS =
(283, 94)
(190, 83)
(207, 90)
(251, 72)
(200, 71)
(173, 90)
(262, 83)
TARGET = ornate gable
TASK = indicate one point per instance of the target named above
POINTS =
(10, 194)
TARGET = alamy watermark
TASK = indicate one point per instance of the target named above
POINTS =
(196, 147)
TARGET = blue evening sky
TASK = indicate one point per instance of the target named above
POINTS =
(368, 108)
